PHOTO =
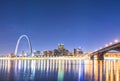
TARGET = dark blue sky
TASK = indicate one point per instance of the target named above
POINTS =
(86, 24)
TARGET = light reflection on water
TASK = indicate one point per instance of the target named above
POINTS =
(59, 70)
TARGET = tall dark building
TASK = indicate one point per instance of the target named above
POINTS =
(60, 46)
(61, 51)
(75, 52)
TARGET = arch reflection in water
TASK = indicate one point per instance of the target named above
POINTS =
(59, 70)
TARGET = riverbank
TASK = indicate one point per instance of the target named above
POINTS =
(60, 58)
(39, 58)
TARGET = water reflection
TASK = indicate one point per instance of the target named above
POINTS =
(59, 70)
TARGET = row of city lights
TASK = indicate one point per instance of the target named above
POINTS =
(111, 43)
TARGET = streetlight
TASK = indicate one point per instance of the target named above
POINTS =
(106, 45)
(110, 43)
(116, 40)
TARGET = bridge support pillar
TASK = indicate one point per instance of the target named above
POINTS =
(100, 57)
(91, 57)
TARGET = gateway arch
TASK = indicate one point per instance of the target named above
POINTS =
(18, 42)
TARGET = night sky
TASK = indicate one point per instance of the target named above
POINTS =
(85, 24)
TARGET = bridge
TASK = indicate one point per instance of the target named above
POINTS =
(100, 53)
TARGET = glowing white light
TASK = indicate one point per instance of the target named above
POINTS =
(110, 43)
(106, 45)
(116, 40)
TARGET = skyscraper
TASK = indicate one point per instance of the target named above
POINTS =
(60, 46)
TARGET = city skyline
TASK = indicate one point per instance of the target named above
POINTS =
(88, 25)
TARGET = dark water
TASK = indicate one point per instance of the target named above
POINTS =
(59, 70)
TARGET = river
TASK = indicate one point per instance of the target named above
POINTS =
(59, 70)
